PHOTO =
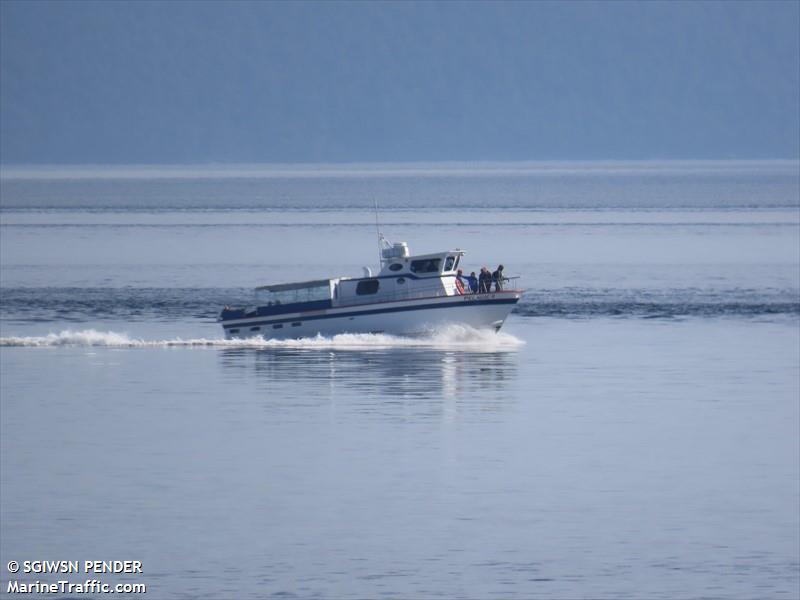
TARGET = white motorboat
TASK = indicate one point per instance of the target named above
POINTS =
(411, 295)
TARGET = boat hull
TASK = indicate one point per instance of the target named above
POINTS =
(409, 317)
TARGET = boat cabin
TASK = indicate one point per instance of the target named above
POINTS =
(402, 277)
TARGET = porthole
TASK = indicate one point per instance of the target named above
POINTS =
(297, 324)
(395, 267)
(278, 326)
(255, 329)
(401, 280)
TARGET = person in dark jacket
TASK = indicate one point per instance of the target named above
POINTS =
(472, 280)
(484, 281)
(498, 279)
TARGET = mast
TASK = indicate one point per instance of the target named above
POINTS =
(378, 233)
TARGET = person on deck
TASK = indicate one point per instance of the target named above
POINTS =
(460, 282)
(484, 281)
(498, 279)
(472, 280)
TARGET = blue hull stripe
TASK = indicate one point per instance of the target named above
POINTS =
(376, 311)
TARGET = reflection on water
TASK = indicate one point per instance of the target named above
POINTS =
(393, 376)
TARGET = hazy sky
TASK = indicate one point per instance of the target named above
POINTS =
(184, 82)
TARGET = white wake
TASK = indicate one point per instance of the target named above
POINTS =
(452, 337)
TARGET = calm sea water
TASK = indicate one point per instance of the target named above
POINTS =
(632, 432)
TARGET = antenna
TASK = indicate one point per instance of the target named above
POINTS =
(378, 232)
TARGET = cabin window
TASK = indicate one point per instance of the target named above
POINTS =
(292, 294)
(233, 330)
(448, 264)
(255, 329)
(458, 260)
(428, 265)
(296, 324)
(395, 267)
(278, 326)
(368, 286)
